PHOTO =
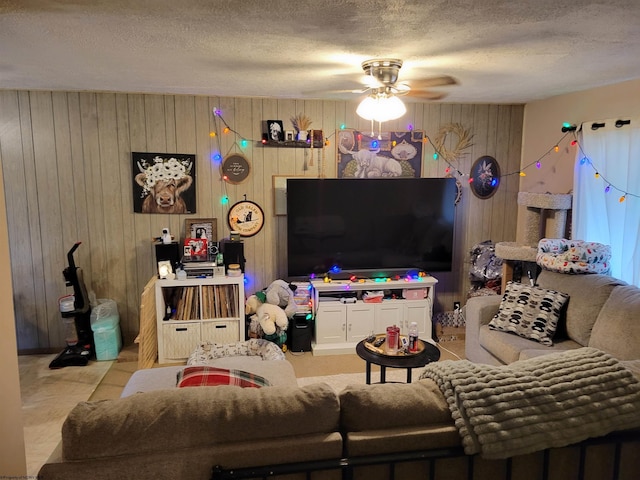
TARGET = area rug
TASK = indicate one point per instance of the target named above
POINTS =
(339, 382)
(47, 398)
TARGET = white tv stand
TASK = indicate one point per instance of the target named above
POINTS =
(339, 326)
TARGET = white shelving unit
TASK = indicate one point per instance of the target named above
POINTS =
(340, 326)
(195, 310)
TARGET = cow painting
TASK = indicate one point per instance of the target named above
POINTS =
(163, 182)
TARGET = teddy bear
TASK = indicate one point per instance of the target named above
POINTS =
(270, 317)
(281, 293)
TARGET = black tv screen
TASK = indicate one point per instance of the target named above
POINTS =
(371, 227)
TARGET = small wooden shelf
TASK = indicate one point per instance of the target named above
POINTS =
(293, 144)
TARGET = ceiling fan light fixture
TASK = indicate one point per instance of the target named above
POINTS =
(381, 107)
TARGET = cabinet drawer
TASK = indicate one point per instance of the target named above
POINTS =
(180, 339)
(223, 331)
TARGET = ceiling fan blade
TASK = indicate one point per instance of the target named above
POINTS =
(440, 81)
(426, 94)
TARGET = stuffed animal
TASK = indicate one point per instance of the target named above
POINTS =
(281, 293)
(270, 317)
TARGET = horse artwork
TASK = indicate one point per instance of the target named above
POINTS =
(393, 154)
(164, 183)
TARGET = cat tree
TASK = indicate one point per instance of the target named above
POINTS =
(545, 217)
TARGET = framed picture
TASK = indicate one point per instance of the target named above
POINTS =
(206, 228)
(391, 154)
(280, 192)
(289, 136)
(164, 182)
(485, 176)
(275, 130)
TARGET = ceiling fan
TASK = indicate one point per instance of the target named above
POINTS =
(381, 77)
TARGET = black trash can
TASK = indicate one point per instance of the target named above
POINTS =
(299, 333)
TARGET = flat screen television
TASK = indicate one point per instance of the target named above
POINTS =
(370, 227)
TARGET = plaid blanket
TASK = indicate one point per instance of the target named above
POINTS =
(203, 375)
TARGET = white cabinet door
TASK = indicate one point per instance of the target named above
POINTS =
(418, 311)
(388, 314)
(360, 321)
(331, 322)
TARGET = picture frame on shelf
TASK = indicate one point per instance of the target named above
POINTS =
(289, 136)
(206, 228)
(275, 130)
(279, 186)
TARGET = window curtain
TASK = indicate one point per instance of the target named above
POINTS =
(607, 171)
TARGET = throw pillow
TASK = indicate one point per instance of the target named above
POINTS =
(530, 312)
(205, 376)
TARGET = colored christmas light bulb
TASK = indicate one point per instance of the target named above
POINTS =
(522, 174)
(435, 156)
(212, 134)
(226, 130)
(623, 198)
(574, 143)
(597, 175)
(556, 148)
(243, 143)
(608, 189)
(538, 164)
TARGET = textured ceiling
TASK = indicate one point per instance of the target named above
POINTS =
(499, 51)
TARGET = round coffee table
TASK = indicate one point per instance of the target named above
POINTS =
(430, 353)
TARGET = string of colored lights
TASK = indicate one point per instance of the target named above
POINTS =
(568, 131)
(585, 160)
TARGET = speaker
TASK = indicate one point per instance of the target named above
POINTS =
(233, 252)
(168, 251)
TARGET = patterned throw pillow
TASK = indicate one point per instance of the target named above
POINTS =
(205, 376)
(530, 312)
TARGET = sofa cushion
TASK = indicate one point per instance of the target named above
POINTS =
(205, 376)
(372, 407)
(587, 294)
(182, 418)
(529, 312)
(617, 328)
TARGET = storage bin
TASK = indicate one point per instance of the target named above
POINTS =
(105, 324)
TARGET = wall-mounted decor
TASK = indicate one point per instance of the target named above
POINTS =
(275, 130)
(164, 182)
(280, 192)
(246, 218)
(394, 154)
(485, 177)
(203, 228)
(235, 168)
(463, 141)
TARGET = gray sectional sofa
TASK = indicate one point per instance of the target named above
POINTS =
(157, 431)
(601, 312)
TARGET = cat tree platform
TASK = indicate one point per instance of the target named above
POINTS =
(545, 217)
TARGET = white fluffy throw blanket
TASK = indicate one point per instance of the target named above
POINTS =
(530, 405)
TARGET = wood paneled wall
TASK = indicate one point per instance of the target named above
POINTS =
(66, 159)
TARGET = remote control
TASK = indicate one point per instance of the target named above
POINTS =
(379, 342)
(370, 339)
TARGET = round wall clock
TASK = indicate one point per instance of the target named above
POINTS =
(485, 176)
(245, 217)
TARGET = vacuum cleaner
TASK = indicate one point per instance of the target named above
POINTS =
(76, 314)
